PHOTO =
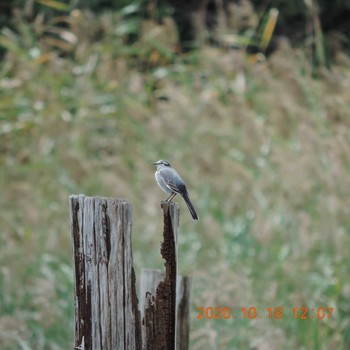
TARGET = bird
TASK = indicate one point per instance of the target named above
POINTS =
(170, 182)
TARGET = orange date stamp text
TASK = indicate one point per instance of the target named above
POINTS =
(277, 313)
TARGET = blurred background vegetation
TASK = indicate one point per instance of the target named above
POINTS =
(248, 99)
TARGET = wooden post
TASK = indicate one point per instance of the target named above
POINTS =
(160, 308)
(183, 302)
(106, 314)
(150, 279)
(149, 282)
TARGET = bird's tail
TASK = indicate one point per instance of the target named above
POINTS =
(190, 207)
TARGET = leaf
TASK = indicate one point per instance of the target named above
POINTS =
(10, 45)
(130, 9)
(57, 5)
(269, 28)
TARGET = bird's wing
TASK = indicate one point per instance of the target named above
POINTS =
(172, 187)
(173, 181)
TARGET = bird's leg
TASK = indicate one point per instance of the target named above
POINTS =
(171, 197)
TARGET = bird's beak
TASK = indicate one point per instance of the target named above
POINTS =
(155, 163)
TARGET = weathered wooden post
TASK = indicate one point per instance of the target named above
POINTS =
(149, 282)
(183, 303)
(160, 308)
(106, 313)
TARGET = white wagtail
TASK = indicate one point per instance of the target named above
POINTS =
(170, 182)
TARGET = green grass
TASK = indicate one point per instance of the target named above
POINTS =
(266, 162)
